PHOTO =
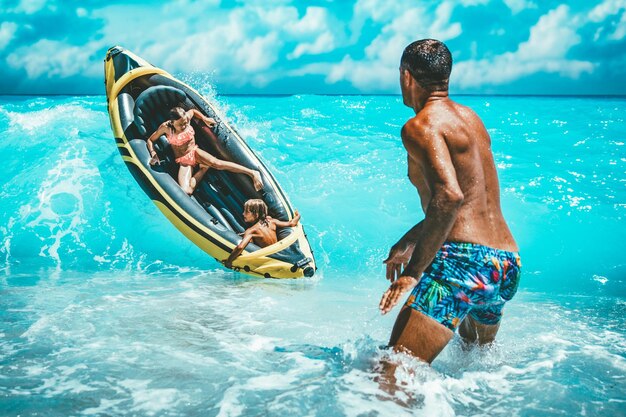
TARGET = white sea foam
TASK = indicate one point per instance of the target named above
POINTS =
(106, 407)
(151, 401)
(67, 181)
(602, 280)
(41, 120)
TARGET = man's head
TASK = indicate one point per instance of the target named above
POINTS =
(428, 62)
(254, 210)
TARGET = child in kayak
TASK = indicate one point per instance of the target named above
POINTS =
(181, 137)
(263, 232)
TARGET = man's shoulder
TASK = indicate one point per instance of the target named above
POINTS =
(419, 129)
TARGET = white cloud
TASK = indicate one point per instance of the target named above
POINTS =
(544, 51)
(324, 43)
(379, 11)
(238, 46)
(607, 9)
(315, 31)
(620, 30)
(314, 21)
(517, 6)
(30, 6)
(379, 70)
(7, 31)
(364, 75)
(259, 53)
(278, 16)
(66, 61)
(552, 36)
(442, 28)
(474, 2)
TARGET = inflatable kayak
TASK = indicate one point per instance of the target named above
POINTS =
(139, 98)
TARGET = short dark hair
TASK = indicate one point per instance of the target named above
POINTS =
(429, 61)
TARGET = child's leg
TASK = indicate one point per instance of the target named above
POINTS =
(206, 158)
(184, 178)
(197, 177)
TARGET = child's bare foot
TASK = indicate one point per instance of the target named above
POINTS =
(257, 180)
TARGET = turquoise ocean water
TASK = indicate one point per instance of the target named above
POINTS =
(108, 310)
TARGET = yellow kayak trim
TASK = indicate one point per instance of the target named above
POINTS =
(272, 249)
(131, 75)
(274, 267)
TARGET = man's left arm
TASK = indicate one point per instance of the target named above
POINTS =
(431, 150)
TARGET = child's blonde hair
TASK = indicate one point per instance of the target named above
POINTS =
(257, 207)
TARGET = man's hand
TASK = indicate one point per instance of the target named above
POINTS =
(395, 291)
(399, 256)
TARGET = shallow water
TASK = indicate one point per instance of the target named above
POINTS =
(108, 310)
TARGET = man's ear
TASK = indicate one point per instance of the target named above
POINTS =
(407, 79)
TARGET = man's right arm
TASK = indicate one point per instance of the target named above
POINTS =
(400, 253)
(412, 235)
(430, 148)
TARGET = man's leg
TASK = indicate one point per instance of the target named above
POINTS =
(419, 335)
(471, 331)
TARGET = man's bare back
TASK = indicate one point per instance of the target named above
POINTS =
(456, 127)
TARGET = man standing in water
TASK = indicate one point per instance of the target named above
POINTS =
(457, 276)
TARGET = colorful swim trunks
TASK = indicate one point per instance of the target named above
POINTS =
(467, 278)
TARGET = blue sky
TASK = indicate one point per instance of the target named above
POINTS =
(323, 46)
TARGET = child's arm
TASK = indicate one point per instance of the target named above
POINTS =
(157, 134)
(291, 223)
(210, 122)
(247, 237)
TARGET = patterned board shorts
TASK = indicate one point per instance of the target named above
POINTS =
(467, 278)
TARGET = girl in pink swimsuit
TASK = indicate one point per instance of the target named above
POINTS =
(181, 137)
